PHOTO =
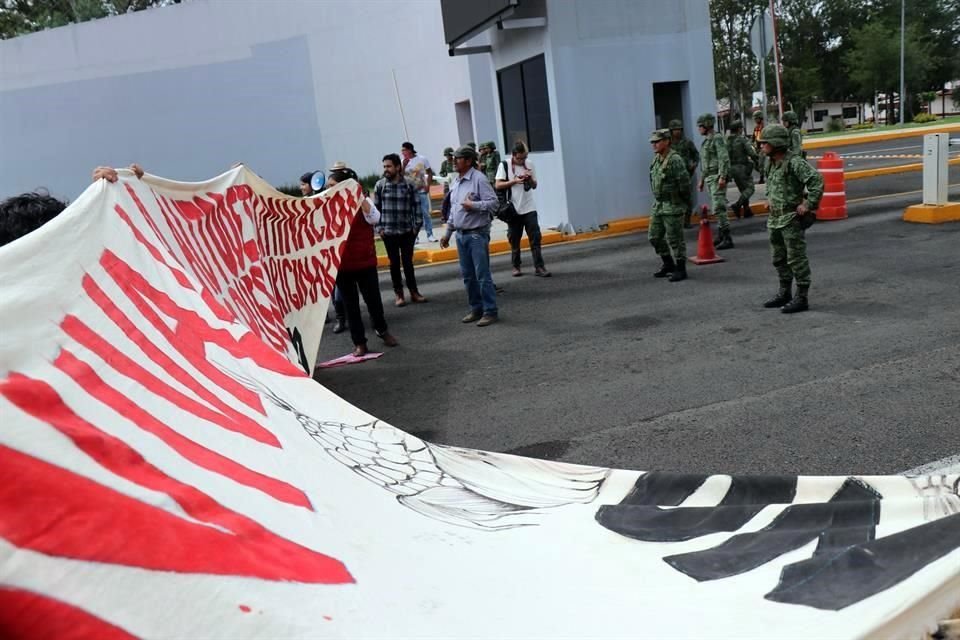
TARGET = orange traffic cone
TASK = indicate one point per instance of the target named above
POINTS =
(705, 252)
(833, 205)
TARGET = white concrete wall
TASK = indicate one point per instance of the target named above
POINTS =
(602, 58)
(285, 86)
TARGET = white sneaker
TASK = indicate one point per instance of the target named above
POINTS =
(431, 238)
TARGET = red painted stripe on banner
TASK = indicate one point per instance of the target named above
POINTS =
(193, 332)
(86, 377)
(33, 616)
(68, 515)
(224, 416)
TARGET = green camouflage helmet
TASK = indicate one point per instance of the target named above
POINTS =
(790, 117)
(758, 116)
(676, 124)
(776, 136)
(489, 145)
(736, 125)
(660, 134)
(448, 151)
(706, 120)
(472, 145)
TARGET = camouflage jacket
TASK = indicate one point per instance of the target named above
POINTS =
(741, 151)
(688, 151)
(786, 182)
(714, 160)
(669, 184)
(490, 163)
(446, 168)
(796, 141)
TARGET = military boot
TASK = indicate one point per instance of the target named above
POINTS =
(783, 295)
(735, 209)
(726, 240)
(799, 302)
(747, 211)
(679, 271)
(666, 269)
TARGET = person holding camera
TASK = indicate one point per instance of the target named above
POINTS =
(518, 178)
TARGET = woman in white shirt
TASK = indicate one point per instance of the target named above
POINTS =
(519, 177)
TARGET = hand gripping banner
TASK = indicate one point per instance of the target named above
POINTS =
(167, 469)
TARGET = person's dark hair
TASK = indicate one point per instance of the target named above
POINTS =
(27, 212)
(307, 177)
(392, 158)
(519, 148)
(408, 146)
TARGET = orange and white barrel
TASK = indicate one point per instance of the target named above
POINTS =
(833, 205)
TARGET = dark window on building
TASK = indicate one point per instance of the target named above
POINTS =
(820, 114)
(525, 106)
(850, 113)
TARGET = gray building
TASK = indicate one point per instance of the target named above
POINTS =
(583, 82)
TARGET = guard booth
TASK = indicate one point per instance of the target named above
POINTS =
(582, 83)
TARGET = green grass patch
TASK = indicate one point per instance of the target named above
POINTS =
(892, 127)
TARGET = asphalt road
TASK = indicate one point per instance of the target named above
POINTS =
(603, 364)
(857, 156)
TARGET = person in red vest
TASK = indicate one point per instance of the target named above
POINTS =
(358, 270)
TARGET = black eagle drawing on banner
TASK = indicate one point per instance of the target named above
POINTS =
(849, 564)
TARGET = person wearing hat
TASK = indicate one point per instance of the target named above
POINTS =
(670, 185)
(446, 167)
(792, 122)
(472, 203)
(757, 130)
(743, 159)
(357, 275)
(490, 160)
(714, 169)
(791, 212)
(688, 151)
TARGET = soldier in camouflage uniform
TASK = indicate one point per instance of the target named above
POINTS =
(714, 170)
(743, 158)
(792, 122)
(489, 160)
(788, 176)
(670, 186)
(688, 151)
(446, 167)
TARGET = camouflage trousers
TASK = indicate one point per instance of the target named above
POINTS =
(788, 247)
(743, 176)
(718, 201)
(666, 235)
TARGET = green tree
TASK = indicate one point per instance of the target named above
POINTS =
(19, 17)
(736, 71)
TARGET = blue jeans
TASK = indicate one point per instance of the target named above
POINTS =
(425, 209)
(473, 249)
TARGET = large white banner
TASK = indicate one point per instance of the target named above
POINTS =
(167, 470)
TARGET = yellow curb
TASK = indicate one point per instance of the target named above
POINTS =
(884, 171)
(933, 214)
(638, 223)
(442, 255)
(863, 138)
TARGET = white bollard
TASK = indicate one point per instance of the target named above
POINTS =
(936, 151)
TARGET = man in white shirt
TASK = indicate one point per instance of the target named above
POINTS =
(417, 169)
(519, 178)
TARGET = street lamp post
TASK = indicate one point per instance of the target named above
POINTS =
(903, 4)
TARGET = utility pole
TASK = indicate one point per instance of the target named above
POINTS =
(776, 61)
(903, 5)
